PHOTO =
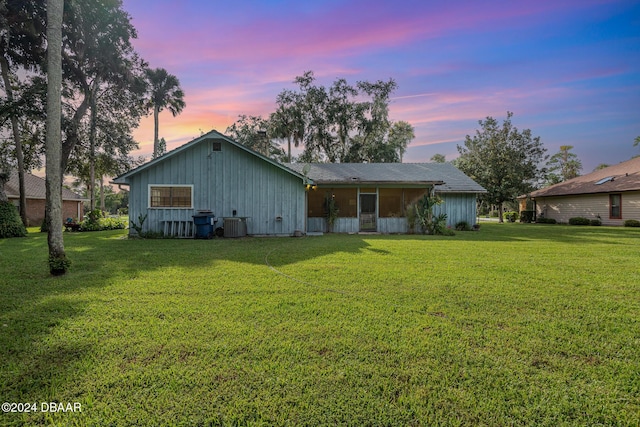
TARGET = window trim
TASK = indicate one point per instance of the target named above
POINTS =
(150, 186)
(611, 206)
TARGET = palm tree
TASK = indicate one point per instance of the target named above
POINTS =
(164, 92)
(58, 262)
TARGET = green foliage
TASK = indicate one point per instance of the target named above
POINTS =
(10, 223)
(578, 220)
(137, 226)
(563, 165)
(95, 221)
(527, 216)
(44, 227)
(424, 214)
(59, 265)
(543, 220)
(632, 223)
(331, 210)
(595, 222)
(510, 216)
(463, 226)
(504, 160)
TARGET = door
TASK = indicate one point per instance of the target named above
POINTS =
(368, 212)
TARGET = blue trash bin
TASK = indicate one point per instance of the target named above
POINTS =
(203, 222)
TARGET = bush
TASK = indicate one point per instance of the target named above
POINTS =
(543, 220)
(510, 216)
(527, 216)
(463, 226)
(95, 222)
(595, 222)
(10, 223)
(578, 220)
(632, 223)
(494, 214)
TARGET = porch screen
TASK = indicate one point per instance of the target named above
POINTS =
(390, 203)
(412, 195)
(170, 196)
(346, 201)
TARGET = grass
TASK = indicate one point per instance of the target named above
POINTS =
(512, 325)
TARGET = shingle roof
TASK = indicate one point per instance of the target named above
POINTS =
(35, 188)
(445, 176)
(624, 176)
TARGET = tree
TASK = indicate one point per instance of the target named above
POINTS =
(563, 165)
(58, 263)
(341, 123)
(504, 160)
(253, 133)
(636, 141)
(601, 166)
(164, 92)
(438, 158)
(287, 122)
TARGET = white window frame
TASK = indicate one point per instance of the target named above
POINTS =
(168, 186)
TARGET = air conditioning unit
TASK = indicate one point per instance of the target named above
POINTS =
(235, 227)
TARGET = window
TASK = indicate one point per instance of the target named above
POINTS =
(615, 206)
(175, 196)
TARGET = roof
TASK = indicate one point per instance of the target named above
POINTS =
(445, 176)
(35, 188)
(123, 179)
(624, 176)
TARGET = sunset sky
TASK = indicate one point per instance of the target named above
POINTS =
(569, 70)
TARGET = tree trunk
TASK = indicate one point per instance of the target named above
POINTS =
(156, 148)
(92, 149)
(4, 64)
(58, 263)
(500, 212)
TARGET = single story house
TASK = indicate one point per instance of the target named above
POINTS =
(611, 194)
(35, 190)
(215, 173)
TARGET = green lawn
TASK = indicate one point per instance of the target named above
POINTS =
(512, 325)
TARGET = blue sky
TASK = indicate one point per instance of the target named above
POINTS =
(568, 70)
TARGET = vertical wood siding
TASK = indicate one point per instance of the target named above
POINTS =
(272, 199)
(588, 206)
(458, 207)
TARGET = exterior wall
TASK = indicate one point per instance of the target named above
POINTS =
(36, 208)
(588, 206)
(272, 200)
(458, 207)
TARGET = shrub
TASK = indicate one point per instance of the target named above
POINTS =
(95, 222)
(494, 214)
(510, 216)
(10, 223)
(632, 223)
(578, 220)
(463, 226)
(595, 222)
(527, 216)
(543, 220)
(112, 224)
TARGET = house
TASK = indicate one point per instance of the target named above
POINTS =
(242, 187)
(214, 173)
(375, 196)
(611, 194)
(35, 191)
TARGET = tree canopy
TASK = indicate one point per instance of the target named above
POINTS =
(563, 165)
(504, 160)
(337, 124)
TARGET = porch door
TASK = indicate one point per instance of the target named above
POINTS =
(368, 212)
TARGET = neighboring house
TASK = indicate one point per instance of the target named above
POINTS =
(375, 196)
(215, 173)
(35, 189)
(611, 194)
